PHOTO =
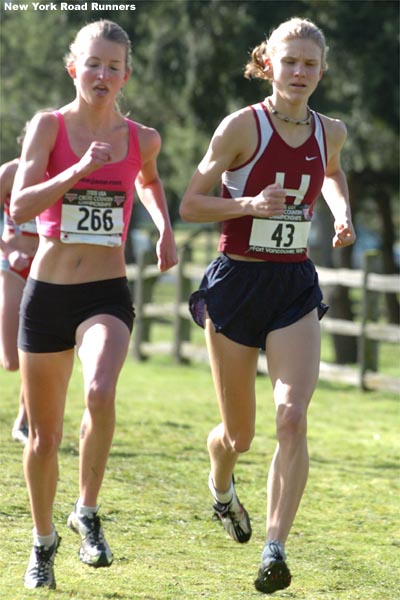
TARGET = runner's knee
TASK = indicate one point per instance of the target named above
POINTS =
(291, 421)
(45, 443)
(100, 396)
(239, 441)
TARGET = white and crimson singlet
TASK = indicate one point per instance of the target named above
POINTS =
(10, 229)
(300, 171)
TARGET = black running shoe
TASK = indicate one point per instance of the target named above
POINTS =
(40, 571)
(94, 550)
(273, 574)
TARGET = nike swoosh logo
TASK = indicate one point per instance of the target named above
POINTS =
(311, 157)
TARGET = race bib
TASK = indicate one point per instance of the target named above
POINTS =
(92, 217)
(286, 234)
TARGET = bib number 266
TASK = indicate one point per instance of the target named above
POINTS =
(95, 219)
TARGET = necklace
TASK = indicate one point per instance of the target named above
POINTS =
(285, 118)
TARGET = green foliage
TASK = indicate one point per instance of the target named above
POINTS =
(364, 71)
(32, 72)
(188, 63)
(157, 508)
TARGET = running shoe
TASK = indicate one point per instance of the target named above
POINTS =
(273, 574)
(233, 517)
(40, 571)
(94, 550)
(20, 434)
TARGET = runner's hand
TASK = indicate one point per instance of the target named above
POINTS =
(344, 235)
(18, 260)
(98, 154)
(270, 202)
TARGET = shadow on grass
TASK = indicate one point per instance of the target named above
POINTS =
(355, 465)
(174, 425)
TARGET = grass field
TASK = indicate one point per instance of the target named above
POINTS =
(345, 543)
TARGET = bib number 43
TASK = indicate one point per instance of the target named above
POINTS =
(283, 235)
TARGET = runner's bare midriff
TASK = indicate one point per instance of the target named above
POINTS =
(56, 262)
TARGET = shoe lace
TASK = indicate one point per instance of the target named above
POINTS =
(226, 510)
(94, 535)
(275, 550)
(41, 569)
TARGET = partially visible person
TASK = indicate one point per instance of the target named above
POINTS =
(262, 292)
(77, 297)
(18, 245)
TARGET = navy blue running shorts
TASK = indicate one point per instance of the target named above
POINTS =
(51, 313)
(247, 300)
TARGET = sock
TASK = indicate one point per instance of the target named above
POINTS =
(225, 497)
(268, 551)
(44, 540)
(85, 511)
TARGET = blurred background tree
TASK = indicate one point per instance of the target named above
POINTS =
(188, 59)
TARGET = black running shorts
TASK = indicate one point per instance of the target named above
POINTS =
(51, 313)
(247, 300)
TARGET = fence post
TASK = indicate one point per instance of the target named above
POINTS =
(368, 349)
(183, 288)
(143, 292)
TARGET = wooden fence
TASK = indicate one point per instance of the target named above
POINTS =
(186, 276)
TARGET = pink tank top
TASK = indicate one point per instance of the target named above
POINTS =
(300, 171)
(97, 210)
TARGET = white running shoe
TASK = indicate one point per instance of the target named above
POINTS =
(232, 515)
(40, 572)
(94, 550)
(20, 434)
